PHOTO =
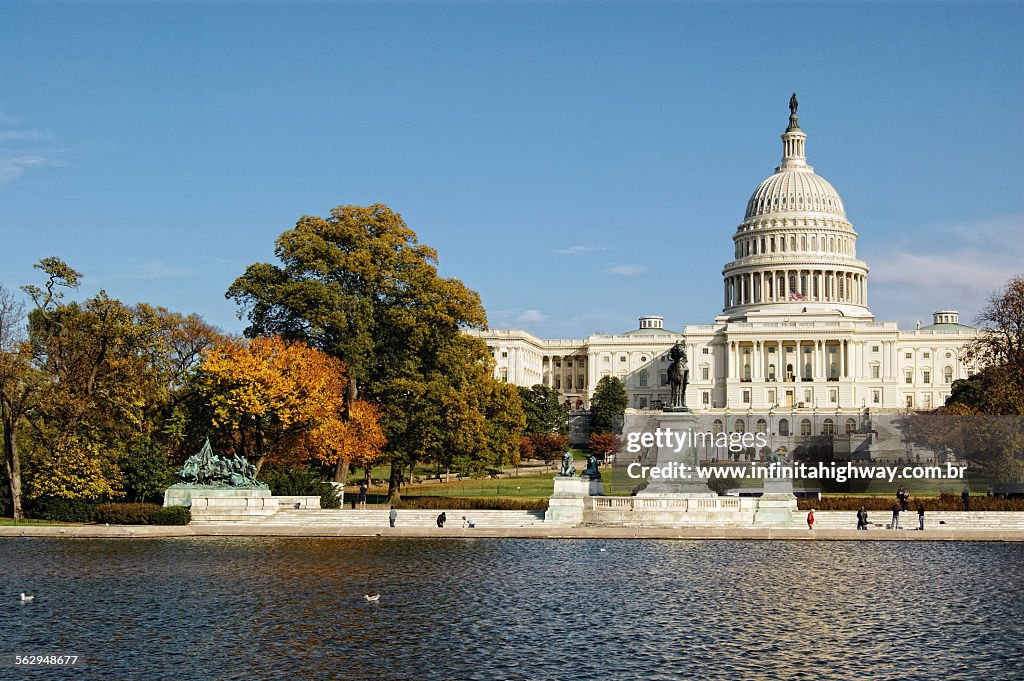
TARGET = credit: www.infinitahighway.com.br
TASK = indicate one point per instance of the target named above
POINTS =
(816, 471)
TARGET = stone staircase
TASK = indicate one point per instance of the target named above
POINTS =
(371, 518)
(952, 520)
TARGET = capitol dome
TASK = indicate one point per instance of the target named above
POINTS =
(793, 191)
(795, 244)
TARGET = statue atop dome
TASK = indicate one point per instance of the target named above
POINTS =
(793, 106)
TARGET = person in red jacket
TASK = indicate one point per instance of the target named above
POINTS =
(810, 519)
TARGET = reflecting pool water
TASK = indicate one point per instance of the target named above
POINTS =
(261, 608)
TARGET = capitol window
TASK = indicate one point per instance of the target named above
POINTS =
(927, 355)
(643, 379)
(784, 427)
(926, 376)
(705, 398)
(908, 376)
(876, 396)
(746, 397)
(876, 371)
(828, 427)
(740, 426)
(805, 428)
(762, 426)
(947, 374)
(874, 348)
(705, 373)
(851, 426)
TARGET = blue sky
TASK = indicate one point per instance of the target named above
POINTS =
(578, 164)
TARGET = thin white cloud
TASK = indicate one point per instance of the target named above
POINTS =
(531, 317)
(580, 248)
(629, 270)
(24, 136)
(958, 268)
(13, 166)
(21, 152)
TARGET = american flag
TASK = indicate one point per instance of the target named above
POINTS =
(795, 295)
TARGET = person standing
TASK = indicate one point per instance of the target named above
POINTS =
(862, 519)
(810, 519)
(920, 516)
(441, 519)
(895, 516)
(965, 496)
(362, 494)
(393, 516)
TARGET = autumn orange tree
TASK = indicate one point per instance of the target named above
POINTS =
(283, 401)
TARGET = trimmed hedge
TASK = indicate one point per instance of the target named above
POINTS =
(61, 510)
(141, 514)
(944, 502)
(170, 515)
(474, 503)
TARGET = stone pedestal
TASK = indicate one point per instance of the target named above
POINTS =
(682, 424)
(569, 499)
(181, 495)
(776, 507)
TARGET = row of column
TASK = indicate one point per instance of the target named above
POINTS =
(569, 379)
(777, 286)
(753, 360)
(852, 359)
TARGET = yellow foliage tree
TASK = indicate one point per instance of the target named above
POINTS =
(358, 439)
(284, 401)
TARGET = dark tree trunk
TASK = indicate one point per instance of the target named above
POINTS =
(12, 462)
(395, 483)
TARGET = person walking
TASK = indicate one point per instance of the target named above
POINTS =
(920, 516)
(895, 516)
(441, 519)
(810, 519)
(393, 516)
(965, 496)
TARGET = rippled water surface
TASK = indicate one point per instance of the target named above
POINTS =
(257, 608)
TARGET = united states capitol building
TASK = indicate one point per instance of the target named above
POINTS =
(796, 350)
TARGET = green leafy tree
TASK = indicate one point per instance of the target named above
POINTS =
(112, 376)
(981, 420)
(545, 412)
(608, 405)
(358, 285)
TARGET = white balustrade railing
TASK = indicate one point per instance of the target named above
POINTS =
(703, 504)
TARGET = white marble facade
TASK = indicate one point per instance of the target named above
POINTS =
(796, 338)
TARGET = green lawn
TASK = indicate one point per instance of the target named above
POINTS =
(29, 521)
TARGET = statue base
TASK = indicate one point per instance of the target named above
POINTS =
(677, 468)
(570, 496)
(181, 494)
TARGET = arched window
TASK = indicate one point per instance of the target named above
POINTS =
(803, 243)
(828, 427)
(746, 372)
(762, 426)
(947, 374)
(771, 372)
(851, 426)
(716, 427)
(784, 427)
(740, 426)
(805, 428)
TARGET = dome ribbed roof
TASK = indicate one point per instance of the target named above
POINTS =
(795, 190)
